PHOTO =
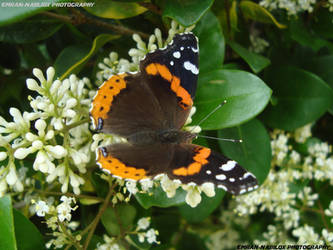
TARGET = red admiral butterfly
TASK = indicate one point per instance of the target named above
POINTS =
(149, 109)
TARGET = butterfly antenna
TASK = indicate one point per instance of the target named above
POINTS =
(207, 116)
(219, 139)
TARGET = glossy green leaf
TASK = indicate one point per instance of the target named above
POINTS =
(27, 235)
(301, 97)
(204, 209)
(254, 153)
(29, 31)
(211, 43)
(246, 96)
(256, 62)
(115, 9)
(186, 12)
(157, 197)
(73, 58)
(258, 13)
(7, 232)
(14, 11)
(322, 66)
(300, 33)
(114, 219)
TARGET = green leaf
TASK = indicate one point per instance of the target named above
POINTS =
(302, 35)
(258, 13)
(7, 233)
(254, 153)
(27, 235)
(186, 12)
(191, 241)
(73, 58)
(246, 96)
(204, 209)
(120, 216)
(29, 31)
(322, 66)
(301, 97)
(10, 14)
(256, 62)
(211, 43)
(115, 10)
(322, 23)
(158, 198)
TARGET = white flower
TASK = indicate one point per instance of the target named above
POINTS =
(11, 177)
(168, 186)
(328, 236)
(306, 235)
(151, 236)
(208, 188)
(110, 244)
(329, 211)
(193, 197)
(143, 223)
(146, 184)
(64, 209)
(41, 208)
(131, 187)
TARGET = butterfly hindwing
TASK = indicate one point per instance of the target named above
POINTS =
(188, 163)
(197, 164)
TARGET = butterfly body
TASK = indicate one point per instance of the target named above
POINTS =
(149, 109)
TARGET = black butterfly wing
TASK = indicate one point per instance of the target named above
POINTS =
(172, 74)
(158, 98)
(188, 163)
(197, 164)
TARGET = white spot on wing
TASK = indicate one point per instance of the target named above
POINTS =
(231, 179)
(195, 50)
(228, 166)
(181, 48)
(242, 191)
(190, 66)
(221, 177)
(172, 63)
(208, 172)
(176, 54)
(247, 175)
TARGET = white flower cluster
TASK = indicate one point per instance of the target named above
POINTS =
(329, 5)
(292, 7)
(258, 44)
(56, 133)
(110, 243)
(277, 196)
(149, 235)
(58, 219)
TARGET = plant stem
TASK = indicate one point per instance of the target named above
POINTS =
(80, 18)
(98, 216)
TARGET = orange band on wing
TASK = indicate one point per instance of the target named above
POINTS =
(200, 159)
(103, 100)
(118, 168)
(159, 69)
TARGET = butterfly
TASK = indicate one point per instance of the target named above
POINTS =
(149, 109)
